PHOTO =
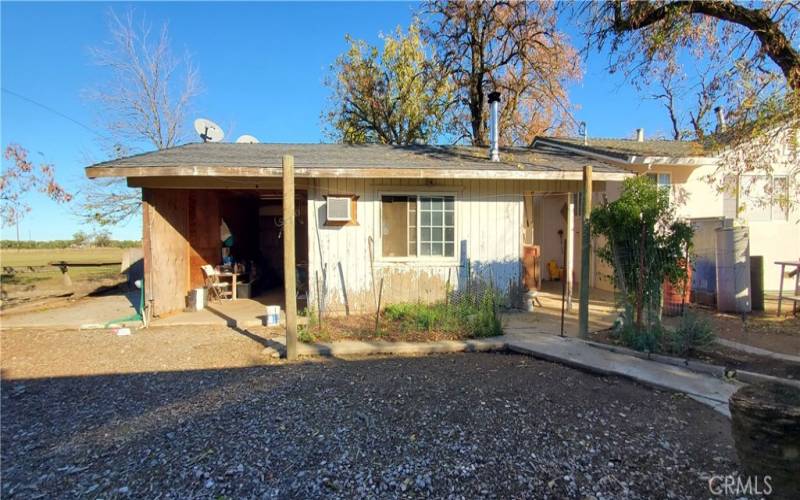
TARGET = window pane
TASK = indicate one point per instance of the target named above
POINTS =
(663, 179)
(755, 198)
(437, 221)
(394, 226)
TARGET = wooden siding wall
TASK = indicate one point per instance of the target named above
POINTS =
(489, 219)
(166, 248)
(181, 233)
(204, 243)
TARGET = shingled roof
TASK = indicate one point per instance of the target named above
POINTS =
(342, 160)
(624, 149)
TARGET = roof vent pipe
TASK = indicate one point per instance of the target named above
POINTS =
(494, 126)
(721, 124)
(639, 135)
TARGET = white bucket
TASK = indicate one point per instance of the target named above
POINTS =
(273, 315)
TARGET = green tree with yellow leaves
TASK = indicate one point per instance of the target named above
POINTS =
(398, 95)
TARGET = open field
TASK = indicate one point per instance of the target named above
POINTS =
(41, 256)
(24, 285)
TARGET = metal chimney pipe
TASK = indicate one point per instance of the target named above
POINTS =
(639, 135)
(721, 124)
(494, 126)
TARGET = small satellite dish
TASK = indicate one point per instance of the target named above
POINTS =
(246, 139)
(208, 130)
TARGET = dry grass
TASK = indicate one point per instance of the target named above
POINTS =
(25, 285)
(41, 256)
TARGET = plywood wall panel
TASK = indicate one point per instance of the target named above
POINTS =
(167, 248)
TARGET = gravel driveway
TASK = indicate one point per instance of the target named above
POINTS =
(453, 426)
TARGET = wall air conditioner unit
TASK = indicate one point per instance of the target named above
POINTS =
(339, 209)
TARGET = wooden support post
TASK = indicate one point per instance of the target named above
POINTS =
(570, 264)
(289, 269)
(586, 250)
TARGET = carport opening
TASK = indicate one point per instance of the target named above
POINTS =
(254, 220)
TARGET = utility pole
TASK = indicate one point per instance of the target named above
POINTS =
(289, 269)
(586, 249)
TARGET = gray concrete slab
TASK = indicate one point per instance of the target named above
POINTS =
(378, 347)
(87, 312)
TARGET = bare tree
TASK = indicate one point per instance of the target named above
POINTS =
(513, 47)
(673, 90)
(667, 96)
(142, 105)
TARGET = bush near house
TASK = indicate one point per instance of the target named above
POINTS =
(692, 333)
(646, 246)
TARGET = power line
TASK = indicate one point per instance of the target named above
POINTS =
(54, 111)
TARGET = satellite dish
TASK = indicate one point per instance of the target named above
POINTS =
(208, 130)
(246, 139)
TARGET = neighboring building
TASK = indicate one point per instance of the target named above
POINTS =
(421, 217)
(684, 166)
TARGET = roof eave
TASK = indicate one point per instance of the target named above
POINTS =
(632, 159)
(688, 161)
(350, 172)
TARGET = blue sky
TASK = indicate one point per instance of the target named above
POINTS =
(262, 67)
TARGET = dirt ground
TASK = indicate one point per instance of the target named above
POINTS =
(738, 360)
(62, 353)
(177, 413)
(764, 330)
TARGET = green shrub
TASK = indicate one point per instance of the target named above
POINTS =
(647, 339)
(487, 319)
(693, 332)
(475, 313)
(304, 335)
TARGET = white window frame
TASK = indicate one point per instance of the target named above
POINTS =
(429, 259)
(657, 175)
(772, 207)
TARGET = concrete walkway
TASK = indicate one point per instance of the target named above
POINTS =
(704, 388)
(757, 351)
(87, 312)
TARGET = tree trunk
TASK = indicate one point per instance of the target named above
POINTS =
(775, 44)
(640, 283)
